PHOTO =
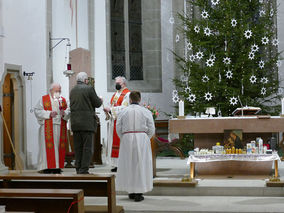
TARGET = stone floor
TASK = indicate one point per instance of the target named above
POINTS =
(212, 194)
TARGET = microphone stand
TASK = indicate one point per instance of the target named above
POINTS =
(241, 106)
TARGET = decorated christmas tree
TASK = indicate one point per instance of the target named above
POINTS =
(231, 56)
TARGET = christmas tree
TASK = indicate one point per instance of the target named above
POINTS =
(231, 54)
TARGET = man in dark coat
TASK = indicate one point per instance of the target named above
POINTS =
(83, 101)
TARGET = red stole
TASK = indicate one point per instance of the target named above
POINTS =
(48, 133)
(116, 140)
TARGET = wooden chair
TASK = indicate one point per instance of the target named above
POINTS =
(159, 144)
(93, 185)
(43, 200)
(162, 143)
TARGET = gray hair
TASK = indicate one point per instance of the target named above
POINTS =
(81, 77)
(122, 78)
(53, 85)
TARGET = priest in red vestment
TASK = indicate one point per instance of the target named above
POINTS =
(118, 102)
(52, 114)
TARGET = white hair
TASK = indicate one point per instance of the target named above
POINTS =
(54, 85)
(81, 77)
(122, 78)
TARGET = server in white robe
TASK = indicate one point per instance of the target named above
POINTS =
(135, 126)
(56, 114)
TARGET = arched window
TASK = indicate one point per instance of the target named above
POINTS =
(134, 43)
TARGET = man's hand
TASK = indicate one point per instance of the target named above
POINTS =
(62, 113)
(52, 114)
(107, 109)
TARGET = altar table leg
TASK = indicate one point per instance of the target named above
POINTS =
(192, 165)
(276, 168)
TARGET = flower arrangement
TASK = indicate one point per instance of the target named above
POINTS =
(154, 110)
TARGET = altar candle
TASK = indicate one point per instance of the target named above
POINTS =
(282, 106)
(181, 108)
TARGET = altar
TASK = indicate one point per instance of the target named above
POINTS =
(208, 131)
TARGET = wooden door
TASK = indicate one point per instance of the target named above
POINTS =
(8, 102)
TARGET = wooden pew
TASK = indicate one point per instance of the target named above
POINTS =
(43, 200)
(93, 185)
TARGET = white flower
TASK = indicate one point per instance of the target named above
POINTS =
(278, 63)
(212, 56)
(226, 60)
(209, 62)
(261, 13)
(207, 31)
(177, 38)
(260, 1)
(199, 55)
(197, 29)
(171, 19)
(215, 2)
(264, 80)
(234, 22)
(261, 64)
(175, 99)
(184, 78)
(174, 93)
(264, 40)
(253, 79)
(254, 48)
(229, 74)
(205, 79)
(233, 101)
(191, 98)
(204, 14)
(189, 46)
(192, 58)
(248, 34)
(208, 96)
(275, 42)
(271, 12)
(251, 55)
(187, 89)
(263, 91)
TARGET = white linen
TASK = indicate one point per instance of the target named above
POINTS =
(115, 110)
(135, 170)
(232, 157)
(41, 116)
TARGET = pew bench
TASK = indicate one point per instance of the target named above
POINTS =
(93, 185)
(43, 200)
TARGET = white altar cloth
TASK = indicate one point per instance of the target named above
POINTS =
(232, 157)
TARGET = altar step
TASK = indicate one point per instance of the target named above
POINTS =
(197, 204)
(214, 187)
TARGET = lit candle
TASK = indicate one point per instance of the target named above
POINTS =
(181, 108)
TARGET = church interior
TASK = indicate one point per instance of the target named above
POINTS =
(210, 74)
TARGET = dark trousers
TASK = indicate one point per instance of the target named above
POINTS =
(83, 145)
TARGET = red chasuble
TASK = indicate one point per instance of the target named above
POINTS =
(116, 140)
(48, 133)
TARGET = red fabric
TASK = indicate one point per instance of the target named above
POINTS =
(115, 138)
(163, 140)
(48, 133)
(267, 145)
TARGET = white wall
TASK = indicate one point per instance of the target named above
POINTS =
(25, 44)
(280, 28)
(63, 28)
